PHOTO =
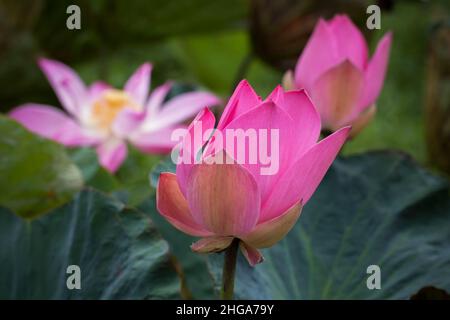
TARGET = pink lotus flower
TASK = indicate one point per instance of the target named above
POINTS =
(219, 202)
(108, 118)
(335, 70)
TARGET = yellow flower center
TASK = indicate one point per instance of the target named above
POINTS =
(107, 107)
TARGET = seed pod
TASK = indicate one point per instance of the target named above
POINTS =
(279, 29)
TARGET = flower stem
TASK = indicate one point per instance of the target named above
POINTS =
(229, 270)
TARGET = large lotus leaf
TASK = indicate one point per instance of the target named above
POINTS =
(36, 174)
(118, 250)
(380, 209)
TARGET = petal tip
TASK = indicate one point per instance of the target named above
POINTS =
(243, 82)
(389, 35)
(163, 178)
(145, 68)
(388, 38)
(42, 61)
(344, 131)
(252, 255)
(46, 64)
(147, 65)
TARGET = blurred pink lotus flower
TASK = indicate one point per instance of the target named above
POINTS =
(335, 70)
(108, 118)
(219, 202)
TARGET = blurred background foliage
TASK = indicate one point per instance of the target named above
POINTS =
(213, 44)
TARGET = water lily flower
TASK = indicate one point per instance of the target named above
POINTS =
(335, 70)
(107, 118)
(222, 200)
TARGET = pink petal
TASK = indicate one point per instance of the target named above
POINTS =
(155, 142)
(277, 96)
(53, 124)
(252, 255)
(191, 147)
(301, 109)
(267, 233)
(211, 244)
(350, 42)
(96, 89)
(376, 71)
(266, 130)
(336, 94)
(173, 206)
(243, 99)
(138, 84)
(301, 180)
(223, 197)
(127, 122)
(181, 108)
(111, 154)
(318, 56)
(68, 86)
(156, 98)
